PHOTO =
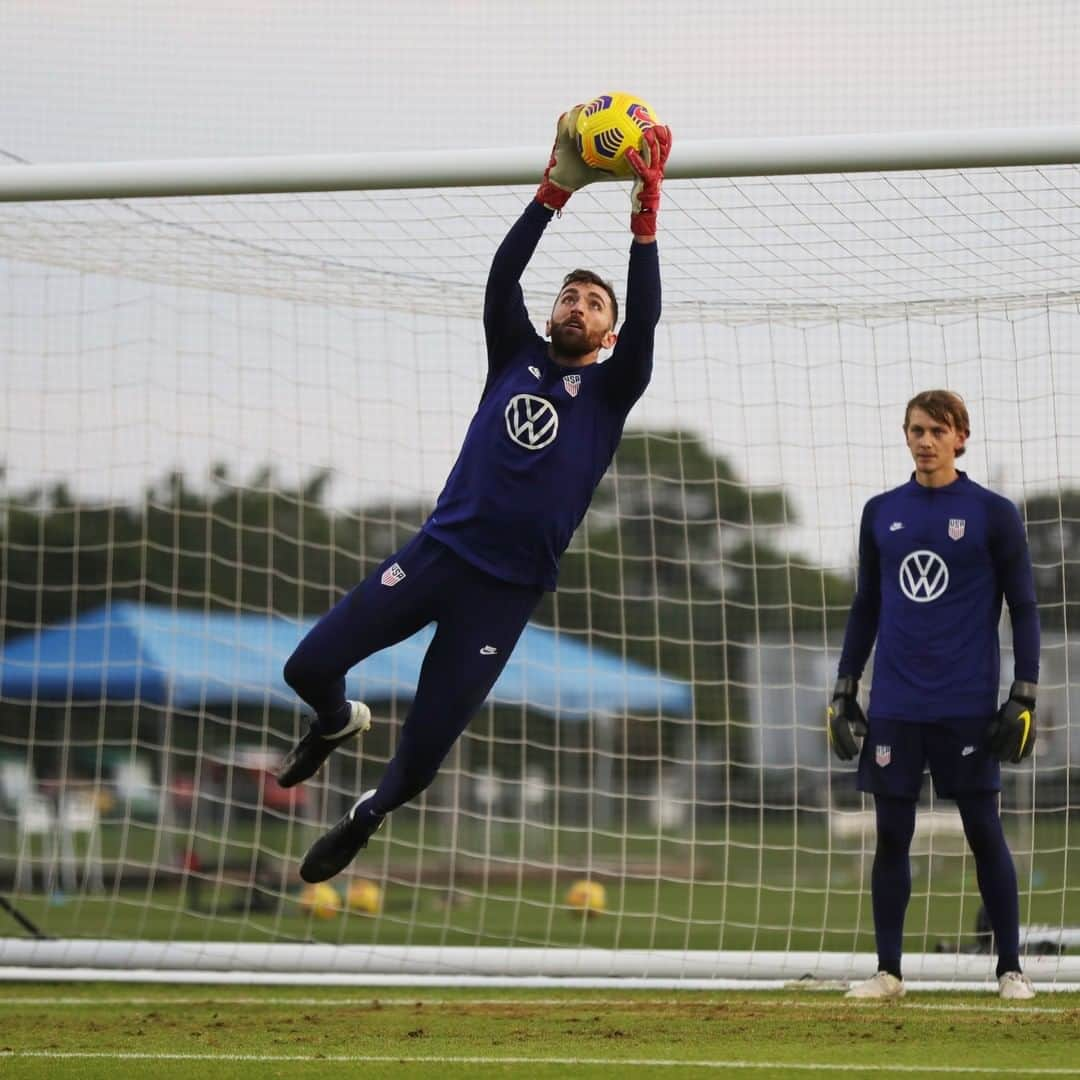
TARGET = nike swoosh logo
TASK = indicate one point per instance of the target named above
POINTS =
(1026, 717)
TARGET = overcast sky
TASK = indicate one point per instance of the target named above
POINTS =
(113, 80)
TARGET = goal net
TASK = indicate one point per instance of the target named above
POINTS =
(221, 412)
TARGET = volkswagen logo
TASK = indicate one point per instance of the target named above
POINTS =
(923, 576)
(531, 421)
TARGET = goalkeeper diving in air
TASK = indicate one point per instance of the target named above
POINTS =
(936, 557)
(546, 428)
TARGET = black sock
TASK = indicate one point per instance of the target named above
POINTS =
(327, 724)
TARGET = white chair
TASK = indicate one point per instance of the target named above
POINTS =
(79, 816)
(16, 781)
(36, 819)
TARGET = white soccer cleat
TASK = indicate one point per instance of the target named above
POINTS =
(882, 987)
(1015, 986)
(359, 719)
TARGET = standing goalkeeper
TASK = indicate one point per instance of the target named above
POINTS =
(545, 430)
(936, 557)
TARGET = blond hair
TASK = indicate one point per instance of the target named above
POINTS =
(943, 406)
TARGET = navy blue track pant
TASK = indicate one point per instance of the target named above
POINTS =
(479, 620)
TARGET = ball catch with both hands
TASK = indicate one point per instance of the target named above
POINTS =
(568, 172)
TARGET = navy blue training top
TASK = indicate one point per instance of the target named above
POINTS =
(934, 564)
(543, 434)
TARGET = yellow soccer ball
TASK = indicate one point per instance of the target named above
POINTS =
(320, 900)
(608, 126)
(365, 897)
(587, 897)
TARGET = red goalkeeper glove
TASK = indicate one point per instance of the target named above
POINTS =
(566, 172)
(649, 167)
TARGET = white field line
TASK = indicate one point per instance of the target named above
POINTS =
(246, 981)
(619, 1063)
(573, 1003)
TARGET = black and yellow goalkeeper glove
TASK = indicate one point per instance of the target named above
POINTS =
(846, 721)
(566, 171)
(1011, 734)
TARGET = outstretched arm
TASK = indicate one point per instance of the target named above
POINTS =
(630, 366)
(506, 319)
(648, 165)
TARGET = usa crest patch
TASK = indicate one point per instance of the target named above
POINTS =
(956, 528)
(392, 575)
(572, 384)
(882, 755)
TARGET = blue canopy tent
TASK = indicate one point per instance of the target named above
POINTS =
(183, 660)
(128, 652)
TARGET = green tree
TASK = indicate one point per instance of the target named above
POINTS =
(679, 563)
(256, 546)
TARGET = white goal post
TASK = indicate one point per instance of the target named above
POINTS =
(701, 159)
(231, 386)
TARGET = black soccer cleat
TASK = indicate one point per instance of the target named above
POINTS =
(305, 758)
(331, 853)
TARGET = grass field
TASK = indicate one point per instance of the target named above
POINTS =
(755, 885)
(91, 1031)
(763, 885)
